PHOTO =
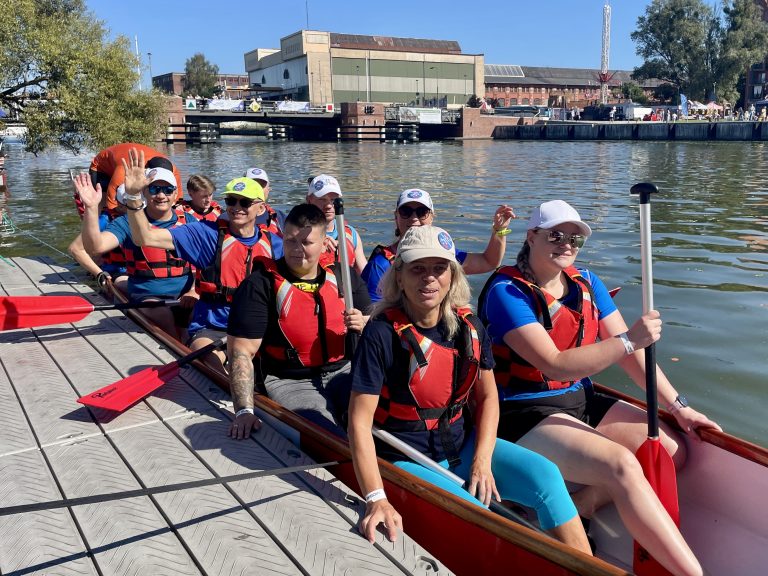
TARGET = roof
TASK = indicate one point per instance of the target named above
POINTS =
(546, 76)
(358, 41)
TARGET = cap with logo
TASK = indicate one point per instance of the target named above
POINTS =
(257, 174)
(161, 175)
(322, 185)
(244, 187)
(415, 195)
(426, 242)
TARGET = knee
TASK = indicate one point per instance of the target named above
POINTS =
(623, 467)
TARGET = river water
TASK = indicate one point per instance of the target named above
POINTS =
(710, 229)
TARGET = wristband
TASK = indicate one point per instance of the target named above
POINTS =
(502, 231)
(243, 411)
(375, 495)
(628, 347)
(135, 209)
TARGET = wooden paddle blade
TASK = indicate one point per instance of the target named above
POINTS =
(122, 394)
(659, 470)
(33, 311)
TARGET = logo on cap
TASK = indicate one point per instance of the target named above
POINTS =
(257, 170)
(414, 194)
(319, 185)
(445, 240)
(151, 173)
(239, 187)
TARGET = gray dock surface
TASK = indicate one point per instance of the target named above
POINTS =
(52, 448)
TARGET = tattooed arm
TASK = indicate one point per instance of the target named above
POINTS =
(241, 352)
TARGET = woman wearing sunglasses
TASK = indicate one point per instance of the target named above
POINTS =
(414, 208)
(552, 326)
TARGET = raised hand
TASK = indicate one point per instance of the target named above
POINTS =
(502, 217)
(90, 196)
(135, 178)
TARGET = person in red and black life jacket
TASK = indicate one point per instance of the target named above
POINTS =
(553, 325)
(223, 253)
(291, 312)
(422, 359)
(271, 219)
(152, 273)
(414, 208)
(201, 205)
(321, 192)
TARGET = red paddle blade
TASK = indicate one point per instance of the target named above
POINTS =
(120, 395)
(32, 311)
(659, 470)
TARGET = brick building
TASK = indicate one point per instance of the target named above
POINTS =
(233, 85)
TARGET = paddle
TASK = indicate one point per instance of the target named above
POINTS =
(32, 311)
(124, 393)
(346, 277)
(430, 464)
(656, 462)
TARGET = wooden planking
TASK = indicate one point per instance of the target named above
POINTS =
(293, 510)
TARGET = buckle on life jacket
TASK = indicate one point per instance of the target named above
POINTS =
(292, 355)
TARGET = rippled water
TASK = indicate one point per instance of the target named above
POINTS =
(710, 229)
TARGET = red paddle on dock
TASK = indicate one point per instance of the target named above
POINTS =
(33, 311)
(124, 393)
(657, 464)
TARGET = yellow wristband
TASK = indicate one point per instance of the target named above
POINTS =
(502, 232)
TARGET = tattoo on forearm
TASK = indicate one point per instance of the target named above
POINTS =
(241, 379)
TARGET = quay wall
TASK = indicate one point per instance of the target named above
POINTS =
(646, 131)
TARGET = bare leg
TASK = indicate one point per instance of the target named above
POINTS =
(215, 359)
(572, 533)
(587, 457)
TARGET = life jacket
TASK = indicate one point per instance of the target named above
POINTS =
(211, 215)
(385, 251)
(568, 329)
(328, 258)
(272, 225)
(148, 262)
(231, 265)
(307, 343)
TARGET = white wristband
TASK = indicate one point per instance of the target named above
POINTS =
(627, 343)
(243, 411)
(375, 495)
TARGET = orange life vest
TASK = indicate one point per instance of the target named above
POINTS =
(385, 251)
(328, 258)
(568, 329)
(148, 262)
(232, 264)
(307, 343)
(211, 215)
(439, 378)
(272, 223)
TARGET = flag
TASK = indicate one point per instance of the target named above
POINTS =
(683, 105)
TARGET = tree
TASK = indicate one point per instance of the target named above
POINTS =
(695, 48)
(69, 84)
(201, 76)
(665, 93)
(633, 92)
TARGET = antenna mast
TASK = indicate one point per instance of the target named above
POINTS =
(138, 65)
(604, 77)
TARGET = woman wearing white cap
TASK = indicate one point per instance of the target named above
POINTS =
(421, 358)
(553, 326)
(414, 208)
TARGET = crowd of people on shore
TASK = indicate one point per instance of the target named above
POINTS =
(501, 396)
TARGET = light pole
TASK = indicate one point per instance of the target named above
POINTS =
(357, 72)
(149, 56)
(465, 86)
(311, 83)
(437, 87)
(417, 91)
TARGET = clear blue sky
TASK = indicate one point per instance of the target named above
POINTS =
(564, 33)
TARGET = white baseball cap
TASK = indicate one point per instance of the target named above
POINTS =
(257, 174)
(415, 195)
(161, 175)
(322, 185)
(426, 242)
(550, 214)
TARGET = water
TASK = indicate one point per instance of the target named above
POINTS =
(710, 229)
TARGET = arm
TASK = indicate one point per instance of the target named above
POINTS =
(491, 258)
(77, 251)
(360, 259)
(361, 409)
(94, 241)
(241, 352)
(481, 482)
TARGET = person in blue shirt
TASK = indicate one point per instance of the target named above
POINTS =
(414, 208)
(554, 325)
(223, 252)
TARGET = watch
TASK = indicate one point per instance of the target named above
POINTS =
(680, 402)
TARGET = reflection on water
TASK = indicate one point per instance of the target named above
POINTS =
(710, 228)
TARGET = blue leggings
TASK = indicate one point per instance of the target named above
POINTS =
(521, 475)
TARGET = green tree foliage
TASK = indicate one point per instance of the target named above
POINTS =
(633, 92)
(200, 76)
(68, 82)
(694, 47)
(665, 93)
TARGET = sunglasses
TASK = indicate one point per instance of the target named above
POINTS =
(244, 202)
(407, 212)
(167, 190)
(561, 238)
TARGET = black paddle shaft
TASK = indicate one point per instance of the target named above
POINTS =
(644, 191)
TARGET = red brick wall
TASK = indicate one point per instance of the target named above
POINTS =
(477, 125)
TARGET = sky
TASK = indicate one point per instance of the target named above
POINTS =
(557, 33)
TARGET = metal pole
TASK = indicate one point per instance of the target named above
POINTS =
(417, 91)
(149, 56)
(357, 71)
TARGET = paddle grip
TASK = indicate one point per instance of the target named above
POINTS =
(346, 277)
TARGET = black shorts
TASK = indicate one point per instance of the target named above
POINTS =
(518, 417)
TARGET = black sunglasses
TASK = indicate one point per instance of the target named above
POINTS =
(244, 202)
(407, 212)
(561, 238)
(167, 190)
